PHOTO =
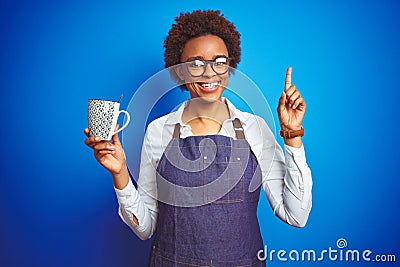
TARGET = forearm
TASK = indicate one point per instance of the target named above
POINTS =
(298, 185)
(121, 180)
(136, 211)
(290, 210)
(145, 229)
(288, 186)
(297, 199)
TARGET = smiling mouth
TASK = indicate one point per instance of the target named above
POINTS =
(208, 87)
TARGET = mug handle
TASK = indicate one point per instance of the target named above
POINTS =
(128, 118)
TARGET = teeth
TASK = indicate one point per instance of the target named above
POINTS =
(209, 85)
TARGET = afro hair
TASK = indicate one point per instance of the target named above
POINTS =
(200, 23)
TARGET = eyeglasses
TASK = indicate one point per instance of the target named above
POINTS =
(197, 67)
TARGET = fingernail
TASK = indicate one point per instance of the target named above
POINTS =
(290, 105)
(111, 147)
(293, 107)
(97, 138)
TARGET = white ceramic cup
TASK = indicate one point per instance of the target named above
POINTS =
(103, 116)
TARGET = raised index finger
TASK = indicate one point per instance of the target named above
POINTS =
(288, 81)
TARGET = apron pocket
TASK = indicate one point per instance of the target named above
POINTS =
(223, 182)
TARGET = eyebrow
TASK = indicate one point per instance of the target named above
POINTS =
(202, 58)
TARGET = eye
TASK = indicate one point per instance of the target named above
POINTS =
(220, 61)
(196, 63)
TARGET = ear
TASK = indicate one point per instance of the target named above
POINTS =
(178, 71)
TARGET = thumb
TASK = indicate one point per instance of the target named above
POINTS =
(115, 137)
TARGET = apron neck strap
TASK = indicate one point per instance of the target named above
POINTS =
(237, 126)
(177, 131)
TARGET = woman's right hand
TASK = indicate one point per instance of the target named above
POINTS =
(109, 154)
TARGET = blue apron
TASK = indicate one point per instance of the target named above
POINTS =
(223, 232)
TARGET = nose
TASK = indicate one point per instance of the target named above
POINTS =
(209, 72)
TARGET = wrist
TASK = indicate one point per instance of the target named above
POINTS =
(291, 128)
(289, 134)
(292, 135)
(121, 172)
(121, 178)
(294, 142)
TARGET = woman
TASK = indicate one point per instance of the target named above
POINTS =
(217, 224)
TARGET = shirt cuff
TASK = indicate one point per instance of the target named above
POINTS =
(126, 192)
(298, 155)
(295, 151)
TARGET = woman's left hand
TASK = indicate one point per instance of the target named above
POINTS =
(291, 107)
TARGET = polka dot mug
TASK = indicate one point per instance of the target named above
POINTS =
(103, 116)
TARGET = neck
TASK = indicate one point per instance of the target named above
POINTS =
(205, 109)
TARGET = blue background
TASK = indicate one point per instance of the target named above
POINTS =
(58, 206)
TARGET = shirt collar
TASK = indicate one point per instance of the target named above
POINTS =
(176, 116)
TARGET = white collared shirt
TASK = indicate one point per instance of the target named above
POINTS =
(286, 179)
